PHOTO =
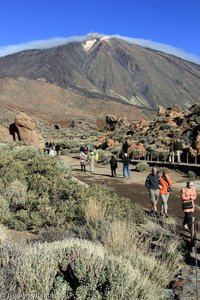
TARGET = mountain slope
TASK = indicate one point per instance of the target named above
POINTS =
(109, 69)
(54, 104)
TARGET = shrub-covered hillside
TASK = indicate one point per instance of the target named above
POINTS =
(90, 243)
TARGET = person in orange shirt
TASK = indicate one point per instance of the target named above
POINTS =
(165, 189)
(188, 196)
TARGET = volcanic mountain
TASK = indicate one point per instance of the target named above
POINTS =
(95, 77)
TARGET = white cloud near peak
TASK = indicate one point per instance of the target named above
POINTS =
(58, 41)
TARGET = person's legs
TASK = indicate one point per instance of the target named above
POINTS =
(187, 222)
(124, 171)
(164, 207)
(114, 172)
(171, 157)
(178, 152)
(154, 195)
(129, 172)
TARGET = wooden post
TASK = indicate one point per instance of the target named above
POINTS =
(193, 235)
(187, 157)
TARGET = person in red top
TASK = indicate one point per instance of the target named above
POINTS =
(188, 196)
(165, 189)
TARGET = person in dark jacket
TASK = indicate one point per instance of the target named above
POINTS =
(153, 185)
(113, 166)
(57, 149)
(126, 166)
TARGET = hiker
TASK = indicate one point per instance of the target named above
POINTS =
(188, 196)
(113, 166)
(46, 148)
(96, 154)
(171, 152)
(153, 185)
(165, 190)
(51, 151)
(85, 149)
(126, 166)
(178, 149)
(57, 149)
(91, 160)
(83, 159)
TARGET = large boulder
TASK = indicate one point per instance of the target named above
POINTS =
(113, 122)
(26, 132)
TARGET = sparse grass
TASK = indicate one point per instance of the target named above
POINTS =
(93, 210)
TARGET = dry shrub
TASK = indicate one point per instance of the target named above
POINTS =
(93, 210)
(3, 233)
(120, 237)
(73, 269)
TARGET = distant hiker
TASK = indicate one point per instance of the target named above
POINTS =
(91, 160)
(171, 152)
(125, 146)
(165, 190)
(85, 149)
(153, 185)
(46, 148)
(57, 149)
(178, 149)
(113, 166)
(188, 196)
(126, 166)
(51, 151)
(83, 159)
(96, 154)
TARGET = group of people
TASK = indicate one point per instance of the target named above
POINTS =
(159, 187)
(88, 156)
(126, 166)
(52, 149)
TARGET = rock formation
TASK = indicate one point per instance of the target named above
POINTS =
(26, 130)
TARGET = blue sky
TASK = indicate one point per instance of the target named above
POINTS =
(170, 22)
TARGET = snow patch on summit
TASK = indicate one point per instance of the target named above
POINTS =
(88, 44)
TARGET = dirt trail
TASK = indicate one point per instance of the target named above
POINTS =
(132, 188)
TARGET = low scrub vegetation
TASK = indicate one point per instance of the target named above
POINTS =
(142, 166)
(90, 243)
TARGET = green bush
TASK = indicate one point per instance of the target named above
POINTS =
(192, 175)
(142, 166)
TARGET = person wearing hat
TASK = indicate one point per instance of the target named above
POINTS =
(188, 195)
(153, 185)
(126, 166)
(91, 160)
